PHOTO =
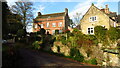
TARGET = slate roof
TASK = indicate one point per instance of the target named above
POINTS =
(51, 15)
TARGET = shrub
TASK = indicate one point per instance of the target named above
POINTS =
(77, 33)
(42, 31)
(113, 34)
(75, 30)
(66, 31)
(56, 31)
(20, 33)
(72, 40)
(100, 33)
(92, 61)
(76, 54)
(63, 40)
(36, 45)
(91, 39)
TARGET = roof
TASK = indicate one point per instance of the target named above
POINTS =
(51, 15)
(78, 27)
(118, 18)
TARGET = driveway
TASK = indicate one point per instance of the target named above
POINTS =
(37, 58)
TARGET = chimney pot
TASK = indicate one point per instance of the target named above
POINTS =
(39, 14)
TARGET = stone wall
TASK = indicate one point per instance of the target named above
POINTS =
(103, 58)
(111, 59)
(58, 47)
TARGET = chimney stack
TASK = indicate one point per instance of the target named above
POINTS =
(66, 10)
(106, 5)
(39, 14)
(107, 9)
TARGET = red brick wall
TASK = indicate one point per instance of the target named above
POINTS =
(46, 20)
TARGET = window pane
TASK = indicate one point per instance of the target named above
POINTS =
(92, 18)
(60, 24)
(91, 31)
(41, 25)
(53, 24)
(88, 32)
(47, 25)
(89, 28)
(95, 17)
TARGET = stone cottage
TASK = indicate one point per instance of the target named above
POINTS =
(97, 17)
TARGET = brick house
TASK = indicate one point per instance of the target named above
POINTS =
(97, 17)
(52, 22)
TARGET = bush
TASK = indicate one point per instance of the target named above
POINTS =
(56, 31)
(42, 31)
(22, 40)
(113, 34)
(100, 33)
(66, 31)
(20, 33)
(63, 40)
(36, 45)
(91, 39)
(92, 61)
(76, 54)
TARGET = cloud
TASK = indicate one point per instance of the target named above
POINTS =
(11, 2)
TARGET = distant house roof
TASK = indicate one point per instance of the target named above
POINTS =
(51, 15)
(118, 18)
(78, 27)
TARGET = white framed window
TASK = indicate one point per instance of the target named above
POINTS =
(47, 24)
(90, 30)
(60, 24)
(53, 24)
(93, 18)
(35, 25)
(41, 25)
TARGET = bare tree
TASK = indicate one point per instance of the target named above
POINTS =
(24, 9)
(77, 18)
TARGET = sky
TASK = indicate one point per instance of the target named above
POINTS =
(55, 6)
(74, 6)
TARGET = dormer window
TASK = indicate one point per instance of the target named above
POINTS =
(93, 18)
